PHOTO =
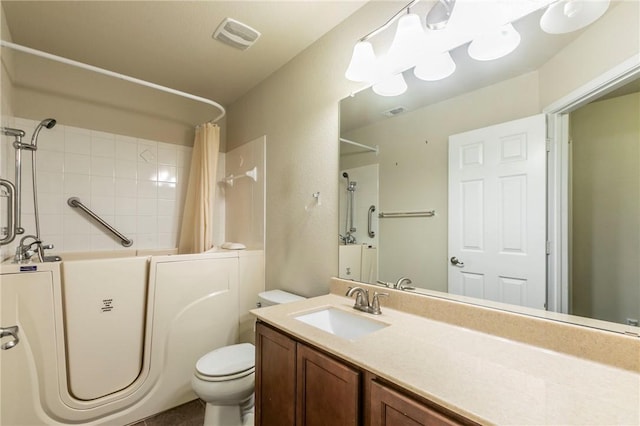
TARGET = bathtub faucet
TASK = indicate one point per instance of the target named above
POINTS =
(24, 251)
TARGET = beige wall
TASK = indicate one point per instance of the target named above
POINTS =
(297, 108)
(605, 145)
(6, 88)
(81, 98)
(414, 174)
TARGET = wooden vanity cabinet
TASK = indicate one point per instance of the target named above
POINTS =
(275, 378)
(328, 390)
(297, 385)
(300, 385)
(389, 407)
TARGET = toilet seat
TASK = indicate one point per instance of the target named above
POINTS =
(227, 363)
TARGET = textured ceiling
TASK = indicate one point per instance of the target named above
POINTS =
(169, 42)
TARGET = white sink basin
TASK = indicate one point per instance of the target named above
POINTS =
(341, 323)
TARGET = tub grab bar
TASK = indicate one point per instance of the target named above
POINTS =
(75, 203)
(370, 230)
(11, 211)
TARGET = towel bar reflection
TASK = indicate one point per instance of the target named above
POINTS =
(422, 213)
(75, 203)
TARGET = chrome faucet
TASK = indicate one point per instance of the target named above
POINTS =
(400, 284)
(362, 300)
(24, 251)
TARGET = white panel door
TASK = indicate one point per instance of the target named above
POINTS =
(497, 213)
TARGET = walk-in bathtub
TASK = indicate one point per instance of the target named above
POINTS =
(112, 340)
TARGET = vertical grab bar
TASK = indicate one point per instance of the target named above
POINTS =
(372, 209)
(11, 211)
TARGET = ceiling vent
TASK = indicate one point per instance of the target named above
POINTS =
(394, 111)
(236, 34)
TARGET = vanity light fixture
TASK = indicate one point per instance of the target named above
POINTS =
(439, 15)
(494, 44)
(427, 49)
(407, 43)
(434, 66)
(363, 62)
(571, 15)
(393, 85)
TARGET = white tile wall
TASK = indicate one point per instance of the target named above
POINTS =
(136, 185)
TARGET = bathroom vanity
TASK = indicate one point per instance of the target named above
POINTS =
(299, 384)
(417, 369)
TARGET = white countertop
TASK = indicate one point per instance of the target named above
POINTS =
(483, 377)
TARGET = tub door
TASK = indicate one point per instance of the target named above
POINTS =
(27, 302)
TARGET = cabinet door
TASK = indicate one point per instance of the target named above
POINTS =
(328, 391)
(391, 408)
(275, 378)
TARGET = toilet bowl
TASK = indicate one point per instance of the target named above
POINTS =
(225, 377)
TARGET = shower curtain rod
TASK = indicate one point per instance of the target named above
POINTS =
(103, 71)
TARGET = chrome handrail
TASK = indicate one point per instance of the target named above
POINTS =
(370, 230)
(76, 203)
(425, 213)
(11, 211)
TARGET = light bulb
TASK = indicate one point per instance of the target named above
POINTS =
(494, 45)
(391, 86)
(363, 63)
(434, 66)
(408, 40)
(571, 15)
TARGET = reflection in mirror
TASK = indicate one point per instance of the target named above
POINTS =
(406, 169)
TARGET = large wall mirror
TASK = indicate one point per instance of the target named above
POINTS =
(396, 197)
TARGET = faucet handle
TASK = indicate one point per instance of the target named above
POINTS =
(375, 303)
(46, 246)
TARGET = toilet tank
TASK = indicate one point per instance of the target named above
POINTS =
(277, 297)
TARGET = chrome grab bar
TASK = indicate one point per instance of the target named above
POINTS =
(11, 211)
(10, 331)
(425, 213)
(75, 203)
(369, 222)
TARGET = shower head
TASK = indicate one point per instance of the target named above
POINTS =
(345, 175)
(49, 123)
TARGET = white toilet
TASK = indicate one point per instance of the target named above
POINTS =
(225, 377)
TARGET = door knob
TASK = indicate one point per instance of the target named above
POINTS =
(9, 331)
(456, 262)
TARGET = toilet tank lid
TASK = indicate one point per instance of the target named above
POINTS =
(278, 297)
(227, 360)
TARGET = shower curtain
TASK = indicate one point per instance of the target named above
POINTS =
(196, 234)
